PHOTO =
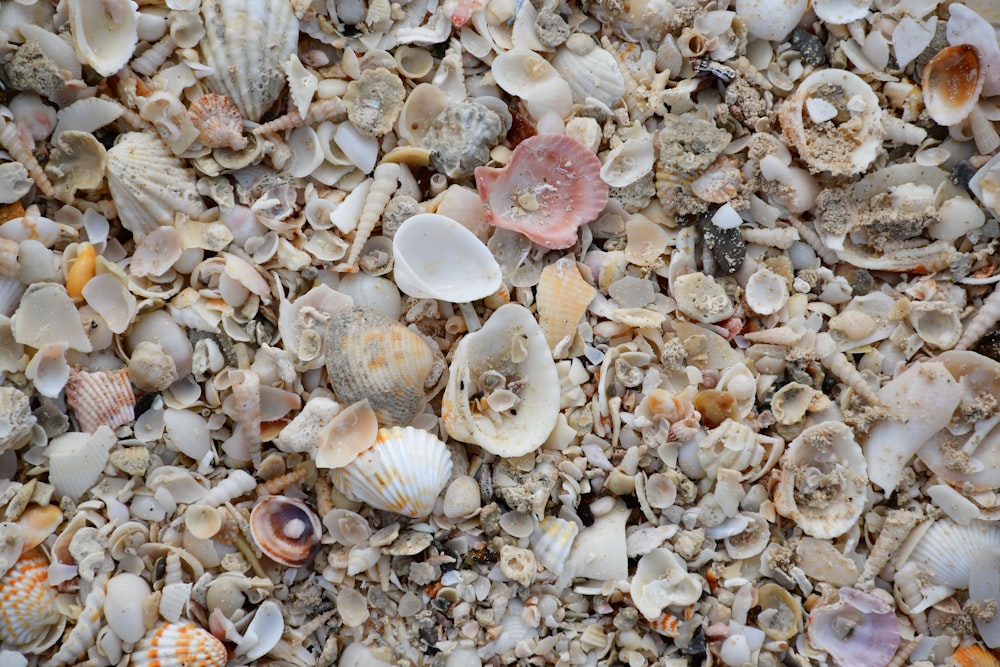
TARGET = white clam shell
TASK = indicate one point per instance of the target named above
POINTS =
(947, 551)
(512, 343)
(263, 632)
(529, 76)
(48, 370)
(436, 257)
(404, 471)
(105, 32)
(47, 316)
(771, 19)
(661, 580)
(76, 460)
(462, 498)
(123, 605)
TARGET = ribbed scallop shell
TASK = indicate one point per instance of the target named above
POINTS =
(974, 655)
(77, 459)
(948, 551)
(246, 43)
(590, 71)
(27, 604)
(403, 472)
(551, 542)
(562, 299)
(179, 645)
(219, 122)
(149, 184)
(286, 529)
(98, 399)
(370, 356)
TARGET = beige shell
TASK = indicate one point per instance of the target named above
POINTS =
(562, 297)
(781, 613)
(76, 460)
(369, 356)
(104, 398)
(105, 32)
(286, 529)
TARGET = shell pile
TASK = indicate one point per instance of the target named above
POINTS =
(468, 333)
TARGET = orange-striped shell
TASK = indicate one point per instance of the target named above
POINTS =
(667, 625)
(27, 603)
(100, 399)
(974, 655)
(179, 645)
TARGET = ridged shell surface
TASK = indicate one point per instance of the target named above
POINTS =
(947, 552)
(563, 297)
(246, 43)
(370, 356)
(76, 460)
(403, 472)
(27, 604)
(590, 71)
(179, 645)
(149, 184)
(551, 542)
(102, 398)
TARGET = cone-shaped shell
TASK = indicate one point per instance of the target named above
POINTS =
(562, 297)
(510, 345)
(404, 471)
(286, 529)
(952, 83)
(246, 43)
(149, 184)
(27, 604)
(551, 187)
(179, 645)
(98, 399)
(370, 356)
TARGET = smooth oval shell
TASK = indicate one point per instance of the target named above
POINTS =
(123, 605)
(179, 645)
(29, 605)
(370, 356)
(951, 83)
(404, 471)
(286, 529)
(781, 613)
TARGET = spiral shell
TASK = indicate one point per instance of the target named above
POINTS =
(286, 529)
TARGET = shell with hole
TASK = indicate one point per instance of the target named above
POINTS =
(503, 388)
(403, 471)
(286, 529)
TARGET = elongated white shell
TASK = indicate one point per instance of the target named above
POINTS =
(105, 32)
(247, 42)
(404, 471)
(123, 605)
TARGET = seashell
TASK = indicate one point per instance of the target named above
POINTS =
(937, 323)
(590, 71)
(47, 316)
(103, 398)
(29, 610)
(562, 298)
(781, 614)
(552, 541)
(841, 12)
(424, 103)
(662, 580)
(855, 126)
(286, 530)
(435, 257)
(874, 630)
(766, 19)
(48, 370)
(219, 122)
(346, 527)
(823, 456)
(84, 633)
(18, 144)
(77, 162)
(149, 184)
(263, 632)
(77, 459)
(766, 292)
(550, 187)
(975, 27)
(383, 185)
(202, 521)
(170, 119)
(462, 499)
(369, 356)
(461, 137)
(177, 644)
(403, 471)
(16, 419)
(413, 63)
(952, 83)
(701, 298)
(374, 101)
(123, 605)
(347, 435)
(529, 76)
(245, 44)
(627, 163)
(104, 32)
(974, 655)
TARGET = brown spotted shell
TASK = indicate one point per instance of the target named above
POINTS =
(219, 122)
(371, 356)
(286, 529)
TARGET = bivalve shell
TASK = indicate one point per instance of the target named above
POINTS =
(562, 298)
(77, 459)
(874, 633)
(123, 605)
(951, 83)
(105, 32)
(29, 605)
(104, 398)
(404, 471)
(179, 645)
(286, 529)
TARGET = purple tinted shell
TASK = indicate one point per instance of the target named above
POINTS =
(860, 630)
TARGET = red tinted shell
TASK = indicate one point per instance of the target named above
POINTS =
(286, 530)
(27, 604)
(179, 645)
(549, 189)
(219, 122)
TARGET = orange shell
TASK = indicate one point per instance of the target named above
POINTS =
(549, 189)
(952, 82)
(81, 271)
(27, 604)
(219, 122)
(562, 298)
(667, 625)
(179, 645)
(974, 655)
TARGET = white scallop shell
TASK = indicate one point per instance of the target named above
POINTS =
(404, 471)
(947, 551)
(149, 184)
(436, 257)
(552, 541)
(105, 32)
(590, 71)
(246, 43)
(77, 459)
(511, 343)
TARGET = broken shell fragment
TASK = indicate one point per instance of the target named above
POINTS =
(661, 580)
(562, 297)
(286, 529)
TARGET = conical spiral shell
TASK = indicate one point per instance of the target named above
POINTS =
(246, 43)
(27, 604)
(403, 472)
(370, 356)
(179, 645)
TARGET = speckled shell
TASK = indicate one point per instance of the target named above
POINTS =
(951, 83)
(28, 606)
(102, 398)
(179, 645)
(286, 529)
(219, 122)
(149, 184)
(404, 471)
(247, 42)
(370, 356)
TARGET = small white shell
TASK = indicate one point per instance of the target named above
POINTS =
(123, 605)
(840, 11)
(462, 498)
(627, 163)
(105, 32)
(766, 292)
(436, 257)
(771, 19)
(532, 78)
(661, 580)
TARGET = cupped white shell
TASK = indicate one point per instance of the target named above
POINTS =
(105, 32)
(404, 471)
(435, 257)
(512, 344)
(123, 605)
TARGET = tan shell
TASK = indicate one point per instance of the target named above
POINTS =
(286, 529)
(563, 296)
(369, 356)
(99, 399)
(781, 613)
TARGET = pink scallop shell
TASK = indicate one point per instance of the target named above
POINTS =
(549, 189)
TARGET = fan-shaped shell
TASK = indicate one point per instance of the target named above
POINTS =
(179, 645)
(370, 356)
(101, 398)
(947, 551)
(951, 83)
(77, 459)
(551, 186)
(590, 71)
(286, 529)
(246, 43)
(219, 122)
(511, 346)
(149, 184)
(562, 298)
(404, 471)
(29, 605)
